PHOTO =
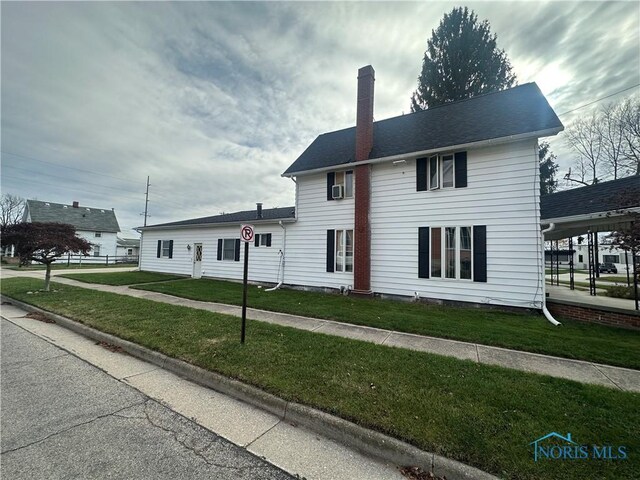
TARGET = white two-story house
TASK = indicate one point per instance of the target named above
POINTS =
(441, 204)
(98, 226)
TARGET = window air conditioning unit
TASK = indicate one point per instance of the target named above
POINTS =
(337, 191)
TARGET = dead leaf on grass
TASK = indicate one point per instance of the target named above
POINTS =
(110, 347)
(416, 473)
(40, 317)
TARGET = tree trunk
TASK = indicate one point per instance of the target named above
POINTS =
(47, 277)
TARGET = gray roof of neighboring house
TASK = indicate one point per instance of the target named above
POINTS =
(128, 242)
(601, 197)
(516, 111)
(268, 214)
(82, 218)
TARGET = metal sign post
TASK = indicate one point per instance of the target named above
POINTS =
(246, 235)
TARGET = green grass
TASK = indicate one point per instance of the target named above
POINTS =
(616, 279)
(120, 278)
(478, 414)
(529, 332)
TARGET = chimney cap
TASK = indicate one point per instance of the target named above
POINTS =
(365, 71)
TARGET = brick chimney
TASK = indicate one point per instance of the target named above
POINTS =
(364, 144)
(76, 204)
(259, 211)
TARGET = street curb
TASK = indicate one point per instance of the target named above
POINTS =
(364, 440)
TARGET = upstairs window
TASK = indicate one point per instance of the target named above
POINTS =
(98, 234)
(441, 171)
(342, 179)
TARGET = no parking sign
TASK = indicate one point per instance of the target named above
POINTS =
(246, 233)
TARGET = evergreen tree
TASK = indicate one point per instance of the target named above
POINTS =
(461, 61)
(548, 169)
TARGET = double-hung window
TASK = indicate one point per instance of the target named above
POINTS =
(339, 250)
(166, 248)
(344, 251)
(228, 249)
(343, 179)
(441, 171)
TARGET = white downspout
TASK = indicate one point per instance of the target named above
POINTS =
(282, 259)
(546, 312)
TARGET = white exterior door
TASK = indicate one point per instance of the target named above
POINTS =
(197, 260)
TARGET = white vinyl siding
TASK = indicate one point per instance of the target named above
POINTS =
(306, 254)
(502, 193)
(263, 262)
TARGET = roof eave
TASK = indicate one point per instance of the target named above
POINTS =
(482, 143)
(216, 224)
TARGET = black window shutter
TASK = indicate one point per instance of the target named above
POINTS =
(268, 239)
(237, 252)
(421, 174)
(257, 242)
(331, 180)
(331, 248)
(219, 249)
(159, 249)
(423, 252)
(480, 253)
(461, 169)
(170, 248)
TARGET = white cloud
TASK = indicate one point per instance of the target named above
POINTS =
(215, 100)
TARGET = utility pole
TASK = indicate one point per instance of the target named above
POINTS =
(146, 202)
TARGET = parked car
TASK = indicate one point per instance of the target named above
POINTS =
(608, 268)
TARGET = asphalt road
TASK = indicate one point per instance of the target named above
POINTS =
(63, 418)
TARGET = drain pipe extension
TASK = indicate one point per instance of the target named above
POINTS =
(546, 312)
(284, 240)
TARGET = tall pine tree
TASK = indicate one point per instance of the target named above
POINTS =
(461, 61)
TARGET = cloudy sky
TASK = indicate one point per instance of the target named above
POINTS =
(214, 100)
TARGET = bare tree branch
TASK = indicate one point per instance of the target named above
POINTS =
(11, 208)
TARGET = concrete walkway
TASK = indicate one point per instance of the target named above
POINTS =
(300, 452)
(577, 370)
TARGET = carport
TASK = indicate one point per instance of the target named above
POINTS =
(586, 211)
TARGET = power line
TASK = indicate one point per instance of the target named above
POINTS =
(600, 99)
(67, 189)
(68, 179)
(65, 166)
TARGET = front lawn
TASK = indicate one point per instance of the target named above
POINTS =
(529, 332)
(481, 415)
(121, 278)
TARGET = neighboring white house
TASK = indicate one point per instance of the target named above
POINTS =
(606, 254)
(440, 204)
(127, 248)
(98, 226)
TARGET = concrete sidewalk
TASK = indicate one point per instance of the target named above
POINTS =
(576, 370)
(294, 449)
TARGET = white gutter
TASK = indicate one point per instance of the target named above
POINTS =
(209, 225)
(482, 143)
(546, 312)
(282, 259)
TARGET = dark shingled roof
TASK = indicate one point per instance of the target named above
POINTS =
(519, 110)
(601, 197)
(82, 218)
(268, 214)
